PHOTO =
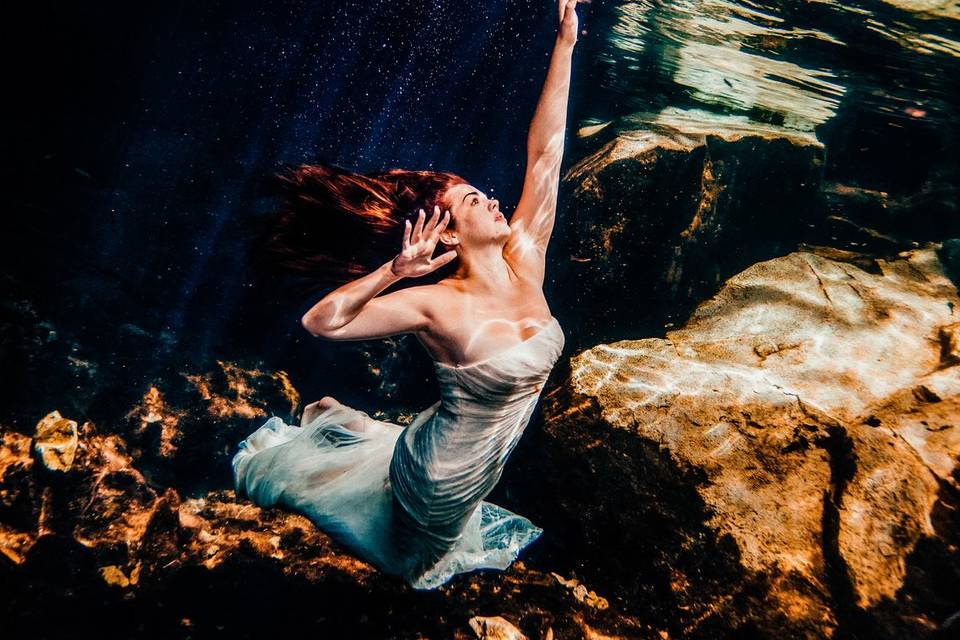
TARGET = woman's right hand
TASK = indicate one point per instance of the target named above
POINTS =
(418, 245)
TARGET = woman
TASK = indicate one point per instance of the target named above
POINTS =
(410, 499)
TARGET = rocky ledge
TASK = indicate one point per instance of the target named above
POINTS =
(784, 465)
(89, 544)
(666, 206)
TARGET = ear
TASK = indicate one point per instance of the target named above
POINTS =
(449, 238)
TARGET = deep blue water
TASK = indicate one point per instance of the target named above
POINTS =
(143, 136)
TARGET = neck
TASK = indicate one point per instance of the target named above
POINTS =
(484, 269)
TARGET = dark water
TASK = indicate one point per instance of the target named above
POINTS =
(876, 82)
(144, 136)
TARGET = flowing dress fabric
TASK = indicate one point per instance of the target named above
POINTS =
(410, 499)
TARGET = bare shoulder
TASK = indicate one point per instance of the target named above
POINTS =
(438, 304)
(440, 300)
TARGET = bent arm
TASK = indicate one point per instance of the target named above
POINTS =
(534, 217)
(353, 312)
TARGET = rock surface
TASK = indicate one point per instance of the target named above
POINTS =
(100, 536)
(56, 441)
(186, 426)
(666, 206)
(786, 460)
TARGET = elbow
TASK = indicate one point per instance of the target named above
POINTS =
(545, 159)
(549, 149)
(313, 326)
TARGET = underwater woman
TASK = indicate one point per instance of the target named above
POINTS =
(410, 500)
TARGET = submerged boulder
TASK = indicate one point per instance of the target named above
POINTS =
(663, 207)
(785, 463)
(55, 441)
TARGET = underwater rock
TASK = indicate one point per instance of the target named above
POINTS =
(99, 536)
(873, 220)
(55, 441)
(581, 592)
(495, 628)
(785, 464)
(19, 496)
(185, 428)
(99, 502)
(664, 206)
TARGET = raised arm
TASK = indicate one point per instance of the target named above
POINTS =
(534, 217)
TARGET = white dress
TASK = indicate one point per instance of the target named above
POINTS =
(410, 499)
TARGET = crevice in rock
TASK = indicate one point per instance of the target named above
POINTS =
(625, 518)
(820, 282)
(851, 620)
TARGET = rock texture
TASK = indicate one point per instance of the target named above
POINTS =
(97, 536)
(185, 427)
(666, 206)
(785, 461)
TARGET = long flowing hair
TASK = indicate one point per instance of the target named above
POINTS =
(335, 225)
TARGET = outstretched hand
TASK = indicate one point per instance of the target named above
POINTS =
(419, 242)
(569, 23)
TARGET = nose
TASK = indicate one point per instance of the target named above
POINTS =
(494, 203)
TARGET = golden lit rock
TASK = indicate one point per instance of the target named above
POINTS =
(806, 406)
(495, 628)
(55, 441)
(153, 410)
(237, 398)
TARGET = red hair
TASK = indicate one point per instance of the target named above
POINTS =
(335, 225)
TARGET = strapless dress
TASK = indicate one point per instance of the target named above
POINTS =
(409, 499)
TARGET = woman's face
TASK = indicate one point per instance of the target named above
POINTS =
(475, 219)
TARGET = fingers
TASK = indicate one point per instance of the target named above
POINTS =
(431, 228)
(444, 258)
(406, 234)
(442, 224)
(418, 227)
(565, 6)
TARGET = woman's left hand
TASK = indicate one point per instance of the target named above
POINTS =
(569, 22)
